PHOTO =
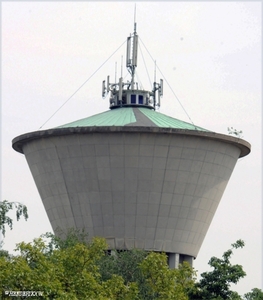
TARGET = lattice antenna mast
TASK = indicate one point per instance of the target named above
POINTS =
(132, 53)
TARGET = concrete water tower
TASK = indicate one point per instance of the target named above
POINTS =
(133, 175)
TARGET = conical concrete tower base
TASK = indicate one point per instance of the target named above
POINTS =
(149, 187)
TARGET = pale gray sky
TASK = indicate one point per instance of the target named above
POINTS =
(210, 54)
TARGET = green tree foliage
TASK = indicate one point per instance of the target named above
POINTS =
(69, 273)
(215, 285)
(165, 283)
(126, 265)
(122, 263)
(255, 294)
(5, 207)
(76, 268)
(71, 266)
(65, 239)
(150, 272)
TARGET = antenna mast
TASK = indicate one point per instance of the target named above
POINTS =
(135, 18)
(132, 50)
(127, 94)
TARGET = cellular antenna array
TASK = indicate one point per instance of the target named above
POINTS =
(127, 93)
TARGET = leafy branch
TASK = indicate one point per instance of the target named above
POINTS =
(5, 207)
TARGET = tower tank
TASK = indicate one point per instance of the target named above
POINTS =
(132, 175)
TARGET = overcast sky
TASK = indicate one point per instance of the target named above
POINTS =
(209, 53)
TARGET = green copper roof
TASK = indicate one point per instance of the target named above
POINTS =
(132, 116)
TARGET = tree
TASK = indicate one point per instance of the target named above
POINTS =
(150, 272)
(126, 265)
(122, 263)
(69, 273)
(216, 283)
(65, 239)
(71, 266)
(5, 207)
(255, 294)
(165, 283)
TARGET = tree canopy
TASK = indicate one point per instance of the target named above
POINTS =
(255, 294)
(72, 266)
(216, 284)
(77, 268)
(69, 273)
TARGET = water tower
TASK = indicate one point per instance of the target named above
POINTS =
(132, 175)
